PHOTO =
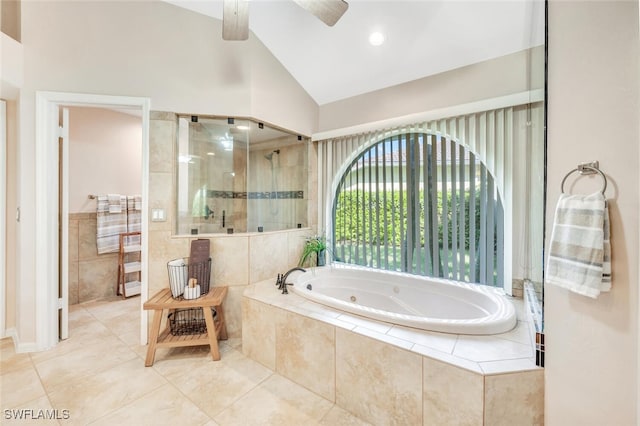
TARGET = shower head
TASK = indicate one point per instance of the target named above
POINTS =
(269, 156)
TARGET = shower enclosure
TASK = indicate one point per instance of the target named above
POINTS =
(238, 175)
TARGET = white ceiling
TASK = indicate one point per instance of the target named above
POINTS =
(423, 37)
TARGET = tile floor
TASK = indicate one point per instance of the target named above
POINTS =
(98, 377)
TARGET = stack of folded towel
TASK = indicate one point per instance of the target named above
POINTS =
(580, 252)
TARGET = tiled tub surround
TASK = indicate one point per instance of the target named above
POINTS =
(388, 374)
(92, 276)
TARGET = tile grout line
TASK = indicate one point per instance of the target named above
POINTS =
(257, 385)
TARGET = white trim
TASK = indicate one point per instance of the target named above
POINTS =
(13, 334)
(3, 216)
(20, 347)
(144, 291)
(321, 181)
(64, 234)
(638, 283)
(521, 98)
(46, 190)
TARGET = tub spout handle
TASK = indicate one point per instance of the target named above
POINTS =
(283, 282)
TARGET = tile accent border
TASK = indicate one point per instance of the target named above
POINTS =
(280, 195)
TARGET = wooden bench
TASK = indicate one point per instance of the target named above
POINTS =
(215, 330)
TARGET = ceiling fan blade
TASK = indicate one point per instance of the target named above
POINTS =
(328, 11)
(235, 19)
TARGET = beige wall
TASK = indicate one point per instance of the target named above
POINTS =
(502, 76)
(290, 111)
(10, 18)
(11, 67)
(592, 345)
(174, 57)
(105, 156)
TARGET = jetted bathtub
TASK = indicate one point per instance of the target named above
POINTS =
(414, 301)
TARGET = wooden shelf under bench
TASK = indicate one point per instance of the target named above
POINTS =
(163, 300)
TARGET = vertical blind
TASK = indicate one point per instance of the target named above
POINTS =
(420, 203)
(490, 142)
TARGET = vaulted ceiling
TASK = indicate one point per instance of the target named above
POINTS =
(422, 38)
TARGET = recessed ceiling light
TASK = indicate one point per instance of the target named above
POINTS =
(211, 153)
(376, 38)
(242, 127)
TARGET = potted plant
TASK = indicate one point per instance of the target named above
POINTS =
(317, 245)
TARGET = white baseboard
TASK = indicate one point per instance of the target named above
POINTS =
(11, 332)
(20, 347)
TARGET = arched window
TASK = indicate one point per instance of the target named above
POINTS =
(420, 203)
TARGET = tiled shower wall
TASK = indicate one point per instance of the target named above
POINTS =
(91, 276)
(277, 197)
(237, 260)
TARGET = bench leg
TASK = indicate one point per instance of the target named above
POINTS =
(211, 333)
(222, 322)
(153, 337)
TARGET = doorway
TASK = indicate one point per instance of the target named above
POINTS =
(104, 157)
(51, 306)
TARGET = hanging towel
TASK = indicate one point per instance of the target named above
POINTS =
(134, 216)
(606, 262)
(138, 202)
(116, 203)
(109, 226)
(580, 253)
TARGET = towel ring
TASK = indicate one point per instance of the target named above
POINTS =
(580, 169)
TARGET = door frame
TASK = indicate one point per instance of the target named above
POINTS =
(3, 216)
(47, 300)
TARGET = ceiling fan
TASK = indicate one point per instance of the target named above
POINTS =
(235, 15)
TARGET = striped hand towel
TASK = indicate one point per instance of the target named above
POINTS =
(580, 252)
(138, 202)
(109, 226)
(116, 203)
(134, 216)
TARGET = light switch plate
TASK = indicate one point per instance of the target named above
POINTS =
(158, 215)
